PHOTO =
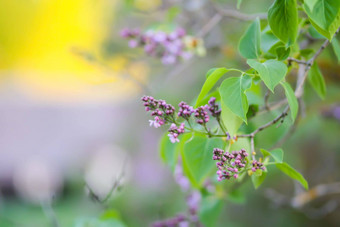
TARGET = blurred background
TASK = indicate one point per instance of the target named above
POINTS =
(72, 124)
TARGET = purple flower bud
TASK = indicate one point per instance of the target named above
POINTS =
(133, 43)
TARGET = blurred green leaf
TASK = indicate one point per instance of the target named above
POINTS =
(168, 151)
(317, 81)
(276, 154)
(271, 71)
(232, 91)
(336, 48)
(94, 222)
(230, 120)
(250, 43)
(213, 76)
(292, 100)
(292, 173)
(324, 15)
(282, 53)
(283, 20)
(209, 211)
(197, 156)
(236, 196)
(258, 180)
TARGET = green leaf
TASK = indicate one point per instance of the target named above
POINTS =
(250, 43)
(230, 120)
(292, 100)
(336, 48)
(276, 154)
(258, 180)
(232, 91)
(292, 173)
(324, 15)
(236, 196)
(197, 157)
(283, 20)
(268, 40)
(271, 71)
(317, 81)
(168, 151)
(209, 211)
(239, 4)
(282, 53)
(213, 76)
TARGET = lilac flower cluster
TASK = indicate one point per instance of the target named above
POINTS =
(164, 113)
(257, 165)
(175, 132)
(230, 164)
(161, 111)
(213, 107)
(168, 46)
(185, 110)
(201, 115)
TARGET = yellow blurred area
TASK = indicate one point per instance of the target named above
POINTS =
(36, 39)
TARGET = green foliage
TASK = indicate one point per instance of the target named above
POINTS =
(283, 20)
(197, 156)
(210, 210)
(213, 76)
(232, 91)
(324, 15)
(168, 152)
(317, 81)
(292, 100)
(258, 180)
(271, 71)
(276, 154)
(292, 173)
(336, 48)
(250, 43)
(230, 120)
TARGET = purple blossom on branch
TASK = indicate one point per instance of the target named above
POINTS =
(169, 47)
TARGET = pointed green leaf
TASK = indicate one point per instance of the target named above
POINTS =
(258, 180)
(239, 4)
(197, 157)
(336, 48)
(213, 76)
(292, 100)
(276, 154)
(209, 211)
(168, 152)
(324, 15)
(317, 81)
(232, 91)
(292, 173)
(283, 20)
(230, 120)
(271, 71)
(249, 45)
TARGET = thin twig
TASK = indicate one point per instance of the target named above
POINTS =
(238, 15)
(297, 61)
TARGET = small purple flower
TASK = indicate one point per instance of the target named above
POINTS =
(133, 43)
(175, 132)
(213, 108)
(168, 59)
(201, 115)
(158, 122)
(159, 37)
(185, 110)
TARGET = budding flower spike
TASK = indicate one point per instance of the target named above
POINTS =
(164, 113)
(168, 47)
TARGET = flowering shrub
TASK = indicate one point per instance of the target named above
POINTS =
(169, 47)
(272, 52)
